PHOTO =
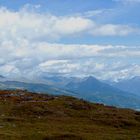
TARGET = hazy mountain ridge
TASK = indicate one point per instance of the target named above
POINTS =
(97, 91)
(88, 88)
(34, 87)
(129, 85)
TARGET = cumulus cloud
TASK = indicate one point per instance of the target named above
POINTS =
(26, 48)
(32, 58)
(33, 25)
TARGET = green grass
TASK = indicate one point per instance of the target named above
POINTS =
(64, 118)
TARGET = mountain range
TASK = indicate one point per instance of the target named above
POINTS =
(94, 90)
(130, 85)
(119, 94)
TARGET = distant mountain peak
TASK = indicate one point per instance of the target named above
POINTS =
(91, 79)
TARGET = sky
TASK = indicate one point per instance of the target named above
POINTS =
(70, 38)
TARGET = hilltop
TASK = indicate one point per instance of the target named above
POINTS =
(27, 116)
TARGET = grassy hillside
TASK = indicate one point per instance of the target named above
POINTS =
(29, 116)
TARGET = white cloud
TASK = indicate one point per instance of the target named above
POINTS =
(24, 47)
(92, 13)
(112, 30)
(33, 25)
(25, 57)
(128, 71)
(29, 59)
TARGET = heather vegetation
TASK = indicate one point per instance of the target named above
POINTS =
(29, 116)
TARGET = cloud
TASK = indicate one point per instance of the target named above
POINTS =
(92, 13)
(26, 47)
(122, 71)
(33, 25)
(122, 52)
(101, 69)
(112, 30)
(30, 59)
